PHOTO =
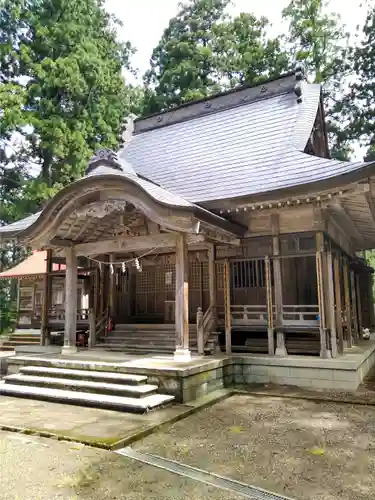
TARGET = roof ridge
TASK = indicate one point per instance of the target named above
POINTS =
(216, 104)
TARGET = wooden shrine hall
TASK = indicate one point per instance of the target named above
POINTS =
(222, 223)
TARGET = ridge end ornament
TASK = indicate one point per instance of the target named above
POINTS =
(127, 130)
(104, 156)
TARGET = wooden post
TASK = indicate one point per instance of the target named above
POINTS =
(212, 279)
(339, 326)
(271, 343)
(70, 330)
(331, 305)
(359, 303)
(370, 300)
(278, 279)
(47, 299)
(348, 308)
(354, 307)
(92, 328)
(228, 325)
(182, 352)
(200, 331)
(324, 351)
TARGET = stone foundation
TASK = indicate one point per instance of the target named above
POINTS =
(344, 373)
(202, 375)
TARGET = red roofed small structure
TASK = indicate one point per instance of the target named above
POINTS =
(33, 266)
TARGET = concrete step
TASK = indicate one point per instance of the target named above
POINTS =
(139, 349)
(22, 338)
(133, 391)
(88, 375)
(142, 341)
(20, 342)
(109, 402)
(6, 348)
(135, 349)
(71, 364)
(150, 327)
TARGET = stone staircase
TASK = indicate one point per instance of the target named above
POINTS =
(18, 339)
(98, 385)
(145, 339)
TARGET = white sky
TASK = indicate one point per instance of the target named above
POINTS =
(145, 20)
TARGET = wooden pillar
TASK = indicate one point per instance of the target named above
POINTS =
(331, 304)
(182, 352)
(359, 303)
(278, 279)
(348, 342)
(271, 343)
(228, 322)
(111, 285)
(370, 300)
(47, 300)
(70, 330)
(212, 279)
(324, 351)
(339, 326)
(354, 307)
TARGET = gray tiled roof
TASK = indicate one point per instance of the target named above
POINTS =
(248, 149)
(20, 225)
(158, 193)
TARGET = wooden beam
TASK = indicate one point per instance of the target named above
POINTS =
(370, 204)
(134, 244)
(61, 242)
(338, 207)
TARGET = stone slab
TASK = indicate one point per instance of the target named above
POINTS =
(109, 377)
(87, 399)
(37, 349)
(134, 391)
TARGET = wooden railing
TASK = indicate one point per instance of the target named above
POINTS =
(205, 325)
(245, 315)
(97, 327)
(256, 315)
(301, 315)
(58, 314)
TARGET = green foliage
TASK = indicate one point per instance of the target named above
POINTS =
(61, 71)
(204, 51)
(359, 102)
(317, 37)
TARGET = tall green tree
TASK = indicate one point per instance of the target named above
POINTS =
(61, 64)
(318, 37)
(204, 51)
(359, 101)
(183, 64)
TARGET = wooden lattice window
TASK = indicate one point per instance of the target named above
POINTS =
(248, 274)
(205, 276)
(26, 298)
(220, 275)
(39, 298)
(144, 282)
(57, 296)
(169, 272)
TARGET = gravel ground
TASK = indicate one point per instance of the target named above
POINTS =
(302, 449)
(33, 468)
